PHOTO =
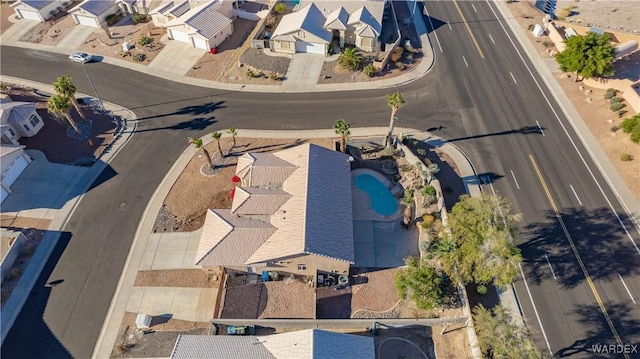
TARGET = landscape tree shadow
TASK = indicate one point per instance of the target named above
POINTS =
(599, 239)
(525, 130)
(30, 324)
(599, 332)
(194, 110)
(196, 124)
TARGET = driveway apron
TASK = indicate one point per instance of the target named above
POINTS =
(176, 58)
(304, 69)
(76, 37)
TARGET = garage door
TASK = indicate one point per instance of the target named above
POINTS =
(30, 15)
(200, 43)
(309, 47)
(86, 20)
(15, 170)
(180, 36)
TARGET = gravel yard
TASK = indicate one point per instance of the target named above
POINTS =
(605, 14)
(269, 300)
(184, 278)
(5, 12)
(377, 291)
(184, 212)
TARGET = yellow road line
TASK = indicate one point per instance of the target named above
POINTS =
(575, 252)
(468, 29)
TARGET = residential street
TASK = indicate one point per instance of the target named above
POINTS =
(490, 102)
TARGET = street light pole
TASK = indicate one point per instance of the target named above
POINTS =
(92, 87)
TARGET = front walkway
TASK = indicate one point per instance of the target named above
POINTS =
(304, 69)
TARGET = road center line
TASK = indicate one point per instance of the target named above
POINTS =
(433, 30)
(491, 38)
(474, 8)
(550, 267)
(575, 194)
(465, 61)
(450, 28)
(514, 179)
(513, 77)
(473, 38)
(540, 127)
(602, 172)
(526, 286)
(575, 251)
(627, 288)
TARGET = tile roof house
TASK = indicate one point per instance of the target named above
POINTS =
(39, 10)
(293, 213)
(355, 22)
(204, 26)
(18, 119)
(301, 344)
(168, 11)
(94, 12)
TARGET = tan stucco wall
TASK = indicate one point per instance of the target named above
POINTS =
(275, 46)
(312, 262)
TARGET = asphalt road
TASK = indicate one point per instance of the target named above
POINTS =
(494, 117)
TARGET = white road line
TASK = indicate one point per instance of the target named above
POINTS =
(514, 179)
(450, 28)
(513, 77)
(575, 194)
(627, 288)
(540, 127)
(474, 8)
(433, 29)
(465, 61)
(492, 39)
(550, 267)
(526, 285)
(635, 245)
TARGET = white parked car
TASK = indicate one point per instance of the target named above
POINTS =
(80, 57)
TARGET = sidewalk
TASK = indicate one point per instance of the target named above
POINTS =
(44, 195)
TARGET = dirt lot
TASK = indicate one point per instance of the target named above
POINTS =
(183, 278)
(269, 300)
(188, 210)
(5, 12)
(592, 107)
(374, 290)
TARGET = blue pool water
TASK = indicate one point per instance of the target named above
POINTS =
(382, 201)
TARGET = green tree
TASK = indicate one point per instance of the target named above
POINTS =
(217, 136)
(588, 56)
(422, 282)
(60, 106)
(64, 87)
(395, 101)
(631, 126)
(233, 132)
(280, 8)
(342, 129)
(500, 337)
(197, 143)
(350, 59)
(480, 247)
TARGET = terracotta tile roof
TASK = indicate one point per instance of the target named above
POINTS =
(256, 200)
(229, 240)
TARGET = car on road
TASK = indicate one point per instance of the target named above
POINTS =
(81, 57)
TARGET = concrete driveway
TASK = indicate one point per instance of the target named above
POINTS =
(304, 69)
(176, 57)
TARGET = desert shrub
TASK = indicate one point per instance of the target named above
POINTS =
(424, 246)
(139, 57)
(547, 43)
(615, 106)
(481, 289)
(397, 54)
(270, 21)
(614, 100)
(566, 11)
(614, 128)
(632, 127)
(125, 53)
(369, 70)
(112, 19)
(427, 220)
(280, 8)
(273, 76)
(400, 66)
(621, 113)
(144, 41)
(250, 74)
(610, 93)
(626, 157)
(138, 18)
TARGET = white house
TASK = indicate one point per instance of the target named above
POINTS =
(13, 161)
(18, 119)
(94, 12)
(204, 26)
(39, 10)
(319, 22)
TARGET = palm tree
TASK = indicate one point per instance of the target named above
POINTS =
(64, 87)
(342, 128)
(59, 105)
(395, 101)
(233, 133)
(197, 143)
(217, 136)
(350, 59)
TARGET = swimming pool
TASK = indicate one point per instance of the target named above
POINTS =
(382, 201)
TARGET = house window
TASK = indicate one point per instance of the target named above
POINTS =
(13, 134)
(26, 127)
(34, 120)
(302, 267)
(366, 42)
